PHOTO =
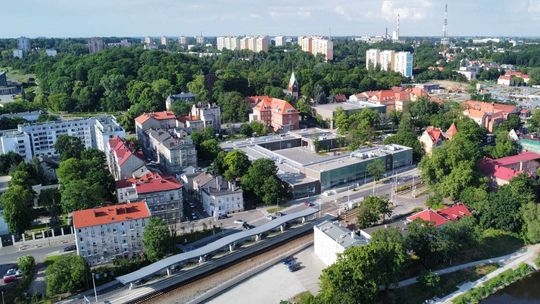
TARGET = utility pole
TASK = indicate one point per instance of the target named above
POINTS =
(94, 282)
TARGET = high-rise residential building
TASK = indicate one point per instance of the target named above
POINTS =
(95, 45)
(388, 60)
(24, 44)
(372, 58)
(404, 63)
(317, 45)
(199, 39)
(106, 233)
(183, 40)
(148, 40)
(279, 40)
(163, 40)
(261, 44)
(254, 44)
(51, 52)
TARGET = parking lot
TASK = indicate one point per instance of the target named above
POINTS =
(283, 283)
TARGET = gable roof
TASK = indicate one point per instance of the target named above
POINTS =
(122, 150)
(498, 168)
(490, 107)
(164, 115)
(435, 134)
(110, 214)
(429, 215)
(451, 132)
(443, 216)
(275, 105)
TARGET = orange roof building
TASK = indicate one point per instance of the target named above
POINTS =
(441, 217)
(273, 112)
(123, 159)
(488, 114)
(106, 233)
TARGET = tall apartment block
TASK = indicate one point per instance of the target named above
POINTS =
(255, 44)
(317, 45)
(388, 60)
(95, 45)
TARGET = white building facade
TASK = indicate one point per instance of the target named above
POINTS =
(330, 239)
(219, 197)
(105, 233)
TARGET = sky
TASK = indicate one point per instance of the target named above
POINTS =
(136, 18)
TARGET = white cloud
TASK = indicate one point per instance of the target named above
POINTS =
(411, 9)
(533, 6)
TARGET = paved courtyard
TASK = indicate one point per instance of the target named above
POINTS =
(277, 283)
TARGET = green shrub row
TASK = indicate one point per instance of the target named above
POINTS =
(506, 278)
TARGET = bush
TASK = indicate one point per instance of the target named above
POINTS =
(429, 279)
(68, 274)
(27, 265)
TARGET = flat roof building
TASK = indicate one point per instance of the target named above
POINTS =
(307, 172)
(330, 239)
(328, 111)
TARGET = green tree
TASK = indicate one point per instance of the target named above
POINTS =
(27, 265)
(237, 164)
(17, 204)
(259, 128)
(68, 147)
(534, 121)
(372, 209)
(502, 212)
(197, 87)
(234, 107)
(157, 239)
(261, 180)
(246, 130)
(360, 270)
(531, 219)
(504, 146)
(208, 149)
(68, 273)
(376, 169)
(430, 280)
(427, 242)
(79, 195)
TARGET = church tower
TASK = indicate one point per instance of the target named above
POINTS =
(293, 89)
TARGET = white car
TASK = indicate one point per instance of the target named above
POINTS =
(240, 222)
(270, 217)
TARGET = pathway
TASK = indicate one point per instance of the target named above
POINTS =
(527, 256)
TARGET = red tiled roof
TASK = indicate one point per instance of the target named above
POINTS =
(123, 151)
(452, 131)
(524, 156)
(429, 215)
(489, 107)
(455, 212)
(441, 217)
(275, 105)
(155, 115)
(434, 133)
(150, 182)
(110, 214)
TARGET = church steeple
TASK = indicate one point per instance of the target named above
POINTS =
(292, 88)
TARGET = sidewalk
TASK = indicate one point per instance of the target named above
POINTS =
(499, 260)
(525, 257)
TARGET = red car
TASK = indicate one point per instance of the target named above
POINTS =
(10, 278)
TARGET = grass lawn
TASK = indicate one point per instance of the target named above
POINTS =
(274, 209)
(417, 293)
(18, 76)
(53, 258)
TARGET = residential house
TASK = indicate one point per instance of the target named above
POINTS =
(488, 114)
(162, 194)
(173, 149)
(441, 217)
(502, 170)
(431, 138)
(276, 113)
(155, 120)
(220, 197)
(105, 233)
(209, 114)
(124, 160)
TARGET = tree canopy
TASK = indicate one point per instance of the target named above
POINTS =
(157, 239)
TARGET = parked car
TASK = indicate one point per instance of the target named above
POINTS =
(239, 221)
(70, 248)
(280, 214)
(222, 216)
(288, 260)
(270, 217)
(308, 204)
(9, 279)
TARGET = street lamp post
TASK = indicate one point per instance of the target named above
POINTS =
(94, 283)
(3, 302)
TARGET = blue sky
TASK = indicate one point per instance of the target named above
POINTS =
(85, 18)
